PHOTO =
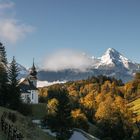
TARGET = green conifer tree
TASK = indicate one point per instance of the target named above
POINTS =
(14, 91)
(3, 77)
(3, 58)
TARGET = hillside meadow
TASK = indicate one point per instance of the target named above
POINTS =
(25, 126)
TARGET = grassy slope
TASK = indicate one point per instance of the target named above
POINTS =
(135, 107)
(2, 136)
(24, 124)
(1, 133)
(38, 111)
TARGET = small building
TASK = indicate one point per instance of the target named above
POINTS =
(28, 87)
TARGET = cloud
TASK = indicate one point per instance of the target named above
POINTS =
(6, 5)
(67, 59)
(12, 29)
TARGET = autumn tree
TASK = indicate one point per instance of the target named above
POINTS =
(58, 113)
(112, 118)
(106, 87)
(99, 98)
(79, 119)
(137, 76)
(130, 90)
(89, 105)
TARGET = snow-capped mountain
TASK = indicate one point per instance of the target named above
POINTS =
(112, 59)
(111, 63)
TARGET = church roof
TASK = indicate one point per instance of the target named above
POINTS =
(26, 85)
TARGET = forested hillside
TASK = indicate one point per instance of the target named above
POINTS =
(98, 101)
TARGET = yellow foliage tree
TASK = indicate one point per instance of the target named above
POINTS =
(105, 109)
(52, 106)
(88, 101)
(79, 119)
(99, 98)
(105, 88)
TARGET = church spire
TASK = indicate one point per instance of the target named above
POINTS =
(33, 71)
(33, 67)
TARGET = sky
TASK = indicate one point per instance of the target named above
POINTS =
(40, 29)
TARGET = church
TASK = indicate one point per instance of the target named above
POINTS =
(28, 87)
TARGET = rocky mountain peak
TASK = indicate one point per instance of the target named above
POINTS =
(114, 58)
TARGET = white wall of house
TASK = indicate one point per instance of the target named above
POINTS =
(33, 96)
(25, 97)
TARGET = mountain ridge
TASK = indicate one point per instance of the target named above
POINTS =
(111, 63)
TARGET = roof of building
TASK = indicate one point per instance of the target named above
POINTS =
(26, 85)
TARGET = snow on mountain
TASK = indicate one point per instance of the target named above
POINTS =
(111, 63)
(114, 58)
(95, 62)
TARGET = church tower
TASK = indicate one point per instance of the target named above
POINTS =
(28, 87)
(33, 75)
